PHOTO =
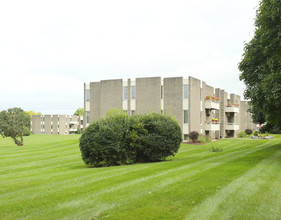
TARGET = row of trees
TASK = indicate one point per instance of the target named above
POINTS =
(261, 66)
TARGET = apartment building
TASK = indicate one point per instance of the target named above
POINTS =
(55, 124)
(194, 104)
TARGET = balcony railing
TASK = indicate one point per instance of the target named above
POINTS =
(210, 104)
(73, 122)
(232, 127)
(232, 109)
(212, 127)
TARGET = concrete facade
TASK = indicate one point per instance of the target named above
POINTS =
(55, 124)
(148, 95)
(194, 104)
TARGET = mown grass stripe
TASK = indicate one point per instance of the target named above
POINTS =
(172, 179)
(211, 204)
(163, 173)
(48, 191)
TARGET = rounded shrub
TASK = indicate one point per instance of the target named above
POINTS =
(160, 138)
(249, 131)
(242, 134)
(256, 133)
(103, 142)
(193, 135)
(26, 131)
(122, 139)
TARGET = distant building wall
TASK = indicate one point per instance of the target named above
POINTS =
(173, 87)
(148, 95)
(55, 124)
(194, 104)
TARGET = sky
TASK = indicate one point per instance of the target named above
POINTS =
(48, 49)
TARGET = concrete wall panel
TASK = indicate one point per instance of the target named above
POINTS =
(148, 95)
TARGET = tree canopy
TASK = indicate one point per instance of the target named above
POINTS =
(13, 123)
(261, 64)
(31, 112)
(79, 112)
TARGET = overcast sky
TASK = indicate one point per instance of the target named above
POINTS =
(48, 49)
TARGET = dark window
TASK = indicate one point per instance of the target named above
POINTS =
(87, 95)
(125, 92)
(88, 117)
(185, 91)
(133, 92)
(185, 120)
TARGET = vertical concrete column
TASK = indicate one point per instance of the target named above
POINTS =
(84, 122)
(222, 118)
(218, 113)
(62, 122)
(36, 124)
(173, 98)
(111, 95)
(55, 124)
(47, 124)
(203, 98)
(148, 95)
(194, 104)
(94, 102)
(129, 96)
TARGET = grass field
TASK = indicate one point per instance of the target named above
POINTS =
(46, 179)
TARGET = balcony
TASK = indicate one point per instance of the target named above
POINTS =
(73, 122)
(73, 129)
(232, 109)
(212, 127)
(232, 127)
(210, 104)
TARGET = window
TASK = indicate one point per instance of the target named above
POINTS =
(88, 117)
(185, 116)
(87, 95)
(133, 112)
(185, 91)
(162, 92)
(133, 92)
(229, 119)
(125, 92)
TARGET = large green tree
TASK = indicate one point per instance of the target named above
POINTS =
(13, 123)
(261, 64)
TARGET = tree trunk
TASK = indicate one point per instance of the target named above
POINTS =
(17, 142)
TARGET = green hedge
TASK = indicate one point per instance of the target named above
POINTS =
(123, 139)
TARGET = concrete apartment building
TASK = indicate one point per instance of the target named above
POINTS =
(194, 104)
(55, 124)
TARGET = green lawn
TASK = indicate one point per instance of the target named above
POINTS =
(47, 179)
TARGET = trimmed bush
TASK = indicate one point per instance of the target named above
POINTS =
(256, 133)
(26, 131)
(123, 139)
(204, 139)
(193, 135)
(249, 131)
(242, 134)
(161, 137)
(215, 149)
